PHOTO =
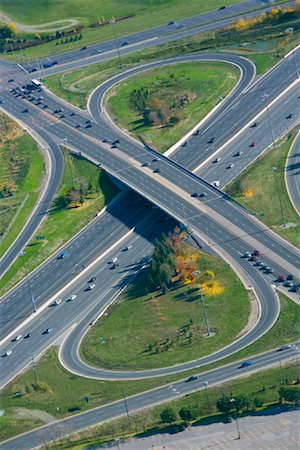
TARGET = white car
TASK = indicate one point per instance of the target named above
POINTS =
(57, 301)
(285, 347)
(91, 287)
(72, 297)
(17, 338)
(7, 353)
(114, 260)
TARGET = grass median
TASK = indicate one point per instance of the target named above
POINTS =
(261, 188)
(60, 393)
(90, 188)
(21, 172)
(162, 105)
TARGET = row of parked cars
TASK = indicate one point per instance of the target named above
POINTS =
(287, 280)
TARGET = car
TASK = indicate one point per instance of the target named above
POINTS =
(11, 80)
(116, 141)
(88, 121)
(113, 260)
(27, 336)
(91, 287)
(17, 338)
(57, 301)
(194, 194)
(58, 110)
(196, 133)
(269, 270)
(239, 153)
(7, 353)
(83, 48)
(78, 125)
(124, 43)
(216, 183)
(253, 258)
(181, 25)
(91, 280)
(246, 364)
(114, 266)
(145, 164)
(222, 7)
(285, 347)
(72, 114)
(155, 159)
(255, 253)
(289, 116)
(128, 247)
(54, 63)
(289, 277)
(105, 140)
(229, 166)
(217, 159)
(88, 125)
(253, 144)
(47, 331)
(45, 106)
(62, 116)
(254, 125)
(46, 65)
(25, 110)
(211, 141)
(99, 51)
(157, 170)
(247, 255)
(202, 195)
(192, 378)
(115, 145)
(281, 278)
(171, 23)
(288, 284)
(261, 264)
(72, 297)
(63, 255)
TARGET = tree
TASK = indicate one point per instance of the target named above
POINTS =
(289, 394)
(168, 415)
(224, 405)
(241, 402)
(188, 414)
(12, 27)
(257, 402)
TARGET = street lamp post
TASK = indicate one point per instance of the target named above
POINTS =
(232, 400)
(274, 170)
(264, 97)
(204, 313)
(113, 21)
(28, 283)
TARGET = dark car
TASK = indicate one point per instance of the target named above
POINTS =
(252, 144)
(11, 80)
(48, 330)
(88, 125)
(124, 43)
(254, 125)
(245, 364)
(211, 141)
(222, 7)
(289, 116)
(91, 280)
(194, 194)
(63, 255)
(27, 336)
(72, 114)
(289, 277)
(202, 195)
(83, 48)
(25, 110)
(255, 253)
(78, 125)
(192, 378)
(114, 266)
(157, 170)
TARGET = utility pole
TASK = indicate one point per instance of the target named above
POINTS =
(264, 97)
(113, 21)
(208, 330)
(274, 170)
(125, 402)
(232, 400)
(28, 283)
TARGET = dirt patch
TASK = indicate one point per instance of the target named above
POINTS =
(24, 413)
(253, 316)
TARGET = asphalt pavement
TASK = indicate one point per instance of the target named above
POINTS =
(147, 399)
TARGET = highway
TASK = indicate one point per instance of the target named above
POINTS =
(152, 37)
(292, 173)
(147, 399)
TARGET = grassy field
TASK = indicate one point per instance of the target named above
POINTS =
(75, 86)
(21, 172)
(153, 330)
(263, 385)
(185, 93)
(256, 188)
(153, 13)
(64, 390)
(63, 223)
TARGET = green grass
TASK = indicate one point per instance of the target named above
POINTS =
(146, 15)
(62, 224)
(21, 170)
(201, 83)
(263, 385)
(76, 85)
(68, 390)
(121, 339)
(256, 188)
